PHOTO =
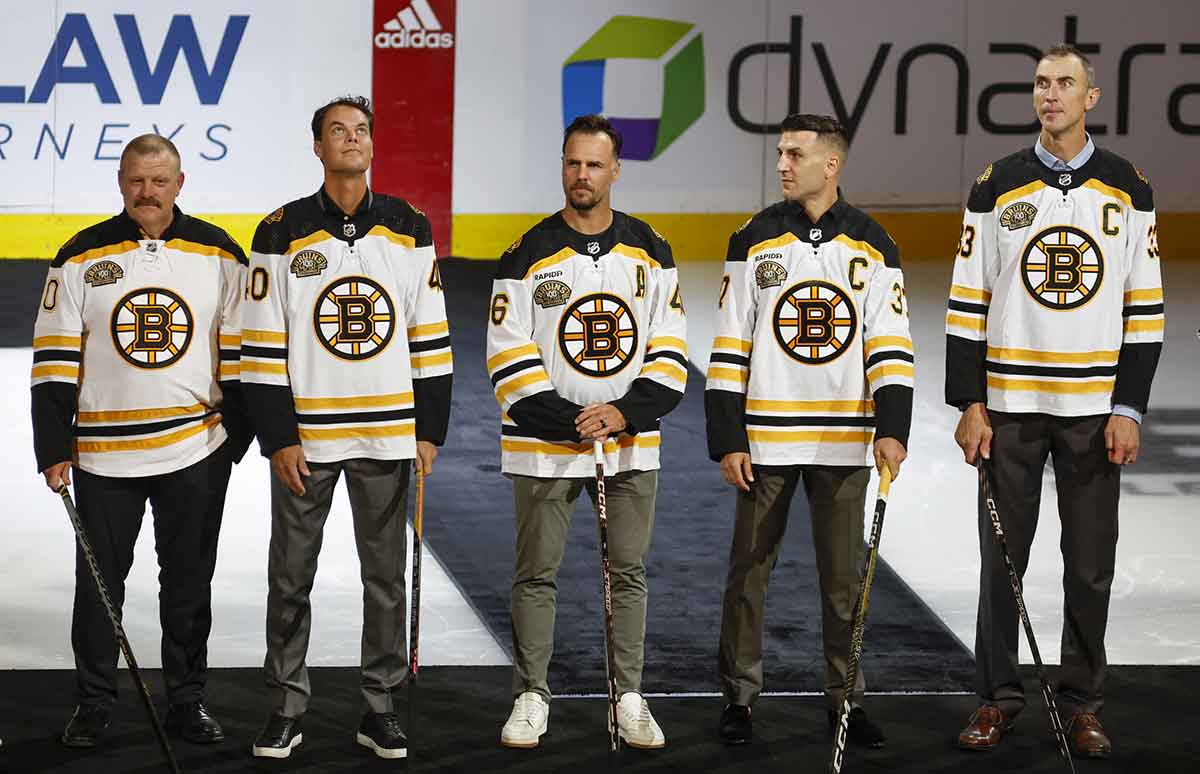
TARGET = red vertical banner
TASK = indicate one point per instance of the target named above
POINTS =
(413, 97)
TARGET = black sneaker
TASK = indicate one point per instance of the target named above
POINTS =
(191, 721)
(381, 732)
(278, 737)
(862, 732)
(735, 727)
(86, 725)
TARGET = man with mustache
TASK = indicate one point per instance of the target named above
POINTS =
(586, 342)
(346, 357)
(1054, 328)
(135, 387)
(810, 381)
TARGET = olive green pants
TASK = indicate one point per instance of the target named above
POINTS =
(543, 508)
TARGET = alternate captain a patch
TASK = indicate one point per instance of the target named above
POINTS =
(354, 318)
(1062, 267)
(151, 327)
(597, 335)
(1018, 215)
(815, 321)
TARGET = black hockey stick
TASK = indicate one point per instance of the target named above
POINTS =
(118, 630)
(610, 668)
(1056, 724)
(414, 625)
(842, 728)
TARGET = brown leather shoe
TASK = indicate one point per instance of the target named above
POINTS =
(985, 729)
(1087, 737)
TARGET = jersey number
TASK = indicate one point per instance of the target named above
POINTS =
(50, 297)
(499, 308)
(435, 277)
(259, 281)
(724, 290)
(1152, 242)
(966, 242)
(899, 302)
(677, 301)
(641, 282)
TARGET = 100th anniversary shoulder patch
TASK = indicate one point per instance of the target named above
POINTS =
(1018, 215)
(769, 274)
(308, 263)
(551, 293)
(103, 273)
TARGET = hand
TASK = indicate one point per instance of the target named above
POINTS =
(974, 433)
(890, 452)
(735, 467)
(598, 421)
(1122, 437)
(426, 454)
(289, 466)
(57, 475)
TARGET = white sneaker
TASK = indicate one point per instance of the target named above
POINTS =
(637, 725)
(528, 721)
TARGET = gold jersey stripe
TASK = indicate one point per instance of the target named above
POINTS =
(134, 415)
(893, 369)
(55, 370)
(782, 240)
(229, 369)
(974, 323)
(105, 251)
(1108, 190)
(1143, 326)
(184, 246)
(857, 407)
(728, 374)
(428, 361)
(1099, 357)
(669, 369)
(636, 253)
(1032, 385)
(509, 355)
(264, 368)
(143, 444)
(404, 240)
(810, 436)
(58, 342)
(429, 329)
(1149, 294)
(881, 342)
(297, 245)
(1017, 193)
(970, 294)
(562, 255)
(641, 441)
(728, 342)
(227, 340)
(363, 431)
(357, 401)
(264, 337)
(511, 386)
(858, 244)
(667, 341)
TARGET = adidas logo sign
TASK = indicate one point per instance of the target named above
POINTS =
(414, 27)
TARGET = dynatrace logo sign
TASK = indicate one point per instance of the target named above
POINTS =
(627, 58)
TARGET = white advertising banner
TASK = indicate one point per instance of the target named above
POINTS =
(932, 90)
(233, 84)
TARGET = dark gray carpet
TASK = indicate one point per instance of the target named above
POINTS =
(469, 523)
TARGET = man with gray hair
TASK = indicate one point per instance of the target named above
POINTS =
(135, 385)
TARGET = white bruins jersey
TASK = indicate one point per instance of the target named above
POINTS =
(132, 336)
(579, 319)
(345, 345)
(812, 357)
(1056, 305)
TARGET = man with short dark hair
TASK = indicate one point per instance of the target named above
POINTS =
(810, 377)
(1059, 239)
(347, 363)
(135, 385)
(586, 343)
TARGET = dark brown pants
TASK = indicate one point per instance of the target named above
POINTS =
(1088, 488)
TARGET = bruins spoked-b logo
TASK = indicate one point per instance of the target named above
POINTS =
(815, 321)
(354, 318)
(1062, 267)
(598, 335)
(151, 327)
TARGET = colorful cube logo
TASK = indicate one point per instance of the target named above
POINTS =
(676, 52)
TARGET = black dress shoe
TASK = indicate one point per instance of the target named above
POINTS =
(735, 726)
(861, 731)
(278, 737)
(380, 732)
(86, 725)
(191, 721)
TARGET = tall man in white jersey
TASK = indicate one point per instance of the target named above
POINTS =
(346, 353)
(1054, 329)
(586, 342)
(135, 386)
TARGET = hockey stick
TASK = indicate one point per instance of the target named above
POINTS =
(610, 668)
(1014, 580)
(118, 630)
(842, 728)
(414, 625)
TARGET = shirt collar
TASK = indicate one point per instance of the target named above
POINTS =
(1055, 163)
(330, 207)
